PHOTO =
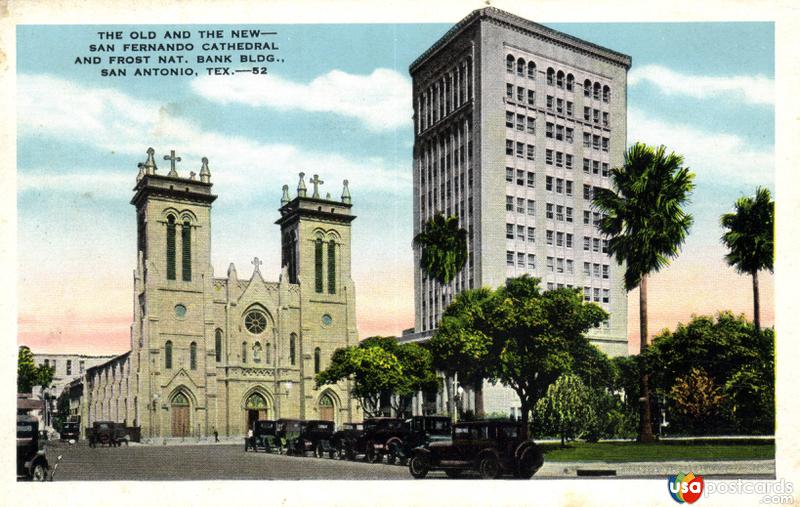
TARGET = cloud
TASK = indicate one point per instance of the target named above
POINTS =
(111, 121)
(755, 89)
(723, 158)
(382, 100)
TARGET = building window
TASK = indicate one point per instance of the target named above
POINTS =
(569, 238)
(81, 366)
(531, 153)
(509, 147)
(586, 243)
(520, 150)
(559, 238)
(244, 352)
(570, 135)
(559, 265)
(605, 295)
(521, 232)
(550, 264)
(168, 355)
(606, 94)
(532, 234)
(605, 169)
(587, 294)
(586, 165)
(186, 254)
(218, 345)
(531, 97)
(520, 94)
(318, 265)
(531, 70)
(255, 322)
(509, 203)
(549, 211)
(69, 367)
(587, 192)
(531, 125)
(292, 348)
(549, 237)
(559, 182)
(520, 67)
(193, 356)
(521, 122)
(559, 159)
(509, 119)
(531, 262)
(531, 207)
(548, 131)
(520, 205)
(569, 182)
(520, 260)
(560, 106)
(605, 119)
(587, 140)
(595, 245)
(509, 258)
(596, 91)
(570, 82)
(605, 144)
(170, 247)
(559, 212)
(587, 269)
(510, 91)
(520, 177)
(331, 267)
(587, 112)
(551, 74)
(605, 271)
(548, 183)
(587, 217)
(605, 246)
(531, 179)
(549, 103)
(510, 174)
(509, 231)
(510, 64)
(548, 157)
(317, 359)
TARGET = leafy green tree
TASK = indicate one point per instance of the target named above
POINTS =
(566, 409)
(460, 346)
(750, 239)
(443, 248)
(62, 411)
(697, 397)
(380, 365)
(646, 225)
(750, 398)
(29, 375)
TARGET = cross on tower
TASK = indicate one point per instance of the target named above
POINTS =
(172, 159)
(316, 182)
(256, 262)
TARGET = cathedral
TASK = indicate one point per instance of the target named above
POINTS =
(211, 354)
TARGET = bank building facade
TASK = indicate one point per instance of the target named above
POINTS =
(216, 353)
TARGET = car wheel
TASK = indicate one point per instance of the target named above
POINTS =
(372, 456)
(418, 466)
(489, 468)
(453, 474)
(391, 458)
(530, 462)
(39, 472)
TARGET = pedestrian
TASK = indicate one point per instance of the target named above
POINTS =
(216, 435)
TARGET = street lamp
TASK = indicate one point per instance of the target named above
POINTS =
(458, 398)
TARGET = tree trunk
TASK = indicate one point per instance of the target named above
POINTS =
(645, 418)
(450, 405)
(524, 408)
(479, 398)
(756, 303)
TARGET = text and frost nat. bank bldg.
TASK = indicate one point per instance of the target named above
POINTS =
(214, 354)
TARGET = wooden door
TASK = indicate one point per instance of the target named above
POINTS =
(180, 420)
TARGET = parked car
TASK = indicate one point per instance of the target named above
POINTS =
(314, 436)
(31, 460)
(121, 434)
(286, 432)
(70, 430)
(421, 430)
(372, 442)
(263, 437)
(491, 448)
(344, 439)
(102, 433)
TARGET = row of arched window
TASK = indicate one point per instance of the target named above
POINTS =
(168, 355)
(557, 78)
(186, 249)
(318, 263)
(256, 351)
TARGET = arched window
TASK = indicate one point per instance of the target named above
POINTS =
(257, 353)
(587, 88)
(510, 63)
(268, 353)
(606, 93)
(244, 352)
(218, 344)
(170, 247)
(596, 90)
(168, 355)
(292, 348)
(180, 399)
(193, 356)
(520, 67)
(331, 267)
(318, 265)
(317, 359)
(570, 82)
(186, 253)
(551, 74)
(531, 70)
(560, 79)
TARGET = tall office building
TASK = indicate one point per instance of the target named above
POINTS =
(515, 125)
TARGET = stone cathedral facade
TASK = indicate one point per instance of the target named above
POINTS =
(216, 353)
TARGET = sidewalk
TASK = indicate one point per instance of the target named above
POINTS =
(740, 468)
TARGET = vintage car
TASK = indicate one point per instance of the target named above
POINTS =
(286, 432)
(31, 460)
(70, 430)
(103, 433)
(421, 430)
(372, 442)
(315, 436)
(263, 437)
(344, 439)
(491, 448)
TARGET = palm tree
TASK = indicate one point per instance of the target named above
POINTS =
(750, 239)
(444, 248)
(646, 226)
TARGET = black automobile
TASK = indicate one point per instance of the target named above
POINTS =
(287, 431)
(31, 460)
(102, 433)
(263, 437)
(490, 448)
(344, 439)
(314, 436)
(372, 442)
(421, 430)
(70, 430)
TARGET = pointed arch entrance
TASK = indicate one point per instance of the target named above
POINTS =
(327, 408)
(257, 408)
(179, 411)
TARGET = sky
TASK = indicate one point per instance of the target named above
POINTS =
(339, 105)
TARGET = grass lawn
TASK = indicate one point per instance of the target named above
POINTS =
(631, 451)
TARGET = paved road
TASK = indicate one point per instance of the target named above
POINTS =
(229, 461)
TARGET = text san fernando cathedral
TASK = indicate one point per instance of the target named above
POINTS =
(213, 354)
